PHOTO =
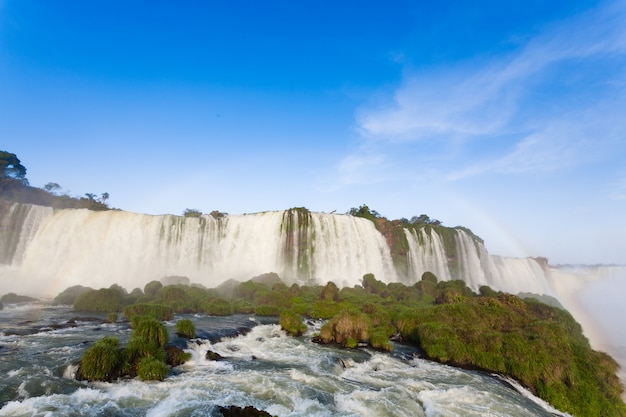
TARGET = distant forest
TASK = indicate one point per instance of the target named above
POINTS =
(14, 186)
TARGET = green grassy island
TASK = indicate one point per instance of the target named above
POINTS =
(540, 346)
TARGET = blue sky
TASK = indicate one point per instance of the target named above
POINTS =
(505, 117)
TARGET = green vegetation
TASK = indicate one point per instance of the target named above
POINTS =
(146, 354)
(104, 300)
(348, 329)
(152, 369)
(538, 345)
(12, 298)
(218, 306)
(192, 213)
(151, 331)
(102, 361)
(155, 311)
(68, 296)
(292, 323)
(186, 328)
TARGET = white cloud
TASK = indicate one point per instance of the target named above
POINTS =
(572, 141)
(509, 101)
(475, 99)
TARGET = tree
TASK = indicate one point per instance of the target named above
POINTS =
(52, 187)
(104, 197)
(192, 213)
(90, 196)
(11, 169)
(424, 219)
(365, 212)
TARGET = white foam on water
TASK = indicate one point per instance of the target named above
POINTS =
(523, 391)
(14, 372)
(70, 371)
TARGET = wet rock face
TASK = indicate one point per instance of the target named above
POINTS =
(174, 355)
(249, 411)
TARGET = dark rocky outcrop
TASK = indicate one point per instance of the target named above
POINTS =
(213, 356)
(248, 411)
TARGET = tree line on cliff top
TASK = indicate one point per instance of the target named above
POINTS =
(14, 186)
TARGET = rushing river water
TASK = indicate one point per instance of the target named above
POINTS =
(286, 376)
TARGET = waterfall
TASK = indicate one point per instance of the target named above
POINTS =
(472, 263)
(426, 254)
(43, 251)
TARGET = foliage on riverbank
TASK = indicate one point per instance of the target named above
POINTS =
(540, 346)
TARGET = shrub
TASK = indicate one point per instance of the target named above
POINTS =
(68, 295)
(351, 343)
(242, 307)
(347, 325)
(171, 294)
(330, 292)
(102, 361)
(292, 323)
(325, 309)
(372, 285)
(189, 212)
(156, 311)
(487, 291)
(218, 307)
(267, 310)
(152, 331)
(185, 328)
(103, 300)
(152, 369)
(380, 341)
(138, 348)
(151, 288)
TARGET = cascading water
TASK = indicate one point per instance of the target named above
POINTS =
(51, 250)
(43, 251)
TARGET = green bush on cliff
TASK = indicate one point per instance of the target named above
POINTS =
(540, 346)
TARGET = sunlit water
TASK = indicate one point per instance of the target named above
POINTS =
(264, 368)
